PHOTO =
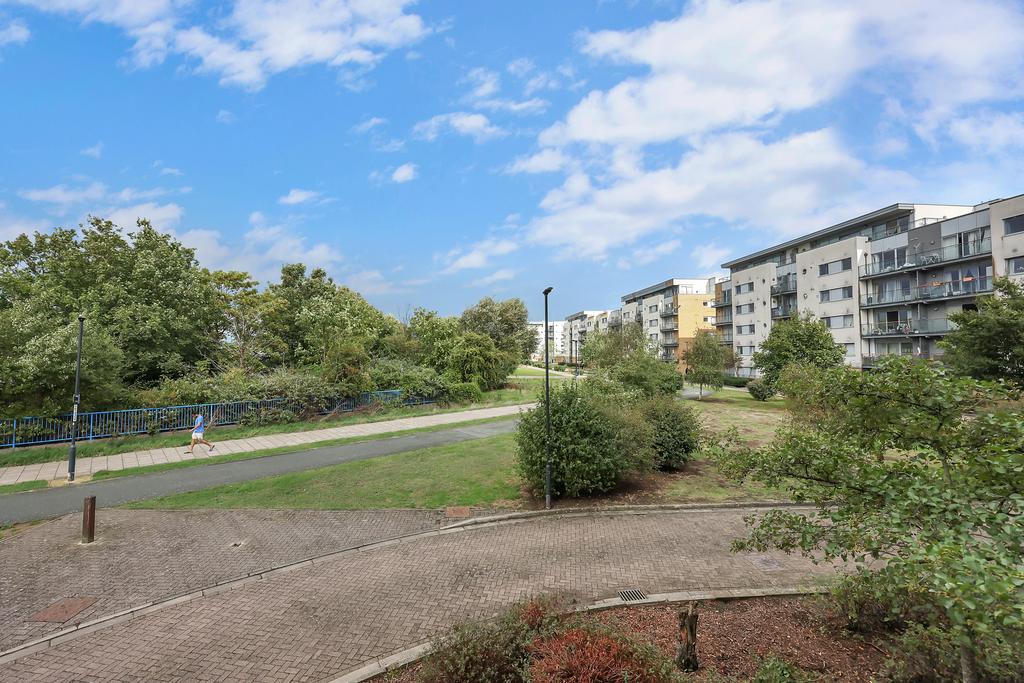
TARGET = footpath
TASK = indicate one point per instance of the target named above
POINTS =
(86, 467)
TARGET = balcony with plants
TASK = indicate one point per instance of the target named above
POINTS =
(932, 257)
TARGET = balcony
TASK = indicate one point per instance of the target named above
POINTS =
(949, 289)
(615, 322)
(784, 311)
(725, 338)
(932, 257)
(724, 301)
(670, 343)
(871, 361)
(669, 311)
(906, 328)
(724, 320)
(669, 326)
(784, 286)
(638, 317)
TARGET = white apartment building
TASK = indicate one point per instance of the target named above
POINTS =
(884, 283)
(556, 336)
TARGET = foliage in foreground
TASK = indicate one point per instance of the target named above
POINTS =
(706, 360)
(913, 466)
(800, 339)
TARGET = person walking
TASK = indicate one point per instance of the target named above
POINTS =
(198, 434)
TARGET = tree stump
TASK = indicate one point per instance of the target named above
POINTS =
(686, 653)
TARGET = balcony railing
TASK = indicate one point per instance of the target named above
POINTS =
(874, 360)
(906, 328)
(923, 259)
(670, 342)
(930, 292)
(669, 311)
(615, 322)
(725, 338)
(784, 286)
(784, 311)
(724, 320)
(669, 326)
(723, 301)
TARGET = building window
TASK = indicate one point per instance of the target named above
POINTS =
(744, 308)
(1013, 225)
(848, 348)
(745, 350)
(1015, 266)
(652, 309)
(652, 323)
(837, 294)
(654, 337)
(744, 329)
(835, 266)
(835, 322)
(745, 287)
(709, 319)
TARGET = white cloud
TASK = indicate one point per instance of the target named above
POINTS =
(226, 117)
(372, 282)
(12, 226)
(710, 256)
(647, 255)
(991, 132)
(14, 33)
(255, 39)
(297, 196)
(131, 194)
(476, 126)
(485, 86)
(170, 170)
(545, 161)
(534, 105)
(63, 195)
(786, 186)
(368, 124)
(478, 255)
(96, 151)
(520, 67)
(484, 83)
(161, 216)
(497, 276)
(404, 173)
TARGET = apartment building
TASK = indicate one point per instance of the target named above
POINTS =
(556, 338)
(884, 283)
(670, 313)
(579, 324)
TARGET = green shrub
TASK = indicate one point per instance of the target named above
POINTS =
(491, 652)
(592, 444)
(731, 381)
(268, 416)
(645, 373)
(760, 390)
(464, 392)
(930, 653)
(773, 670)
(675, 432)
(414, 381)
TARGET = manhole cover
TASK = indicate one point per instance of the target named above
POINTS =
(632, 595)
(765, 563)
(62, 610)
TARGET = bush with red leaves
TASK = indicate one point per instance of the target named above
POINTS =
(588, 655)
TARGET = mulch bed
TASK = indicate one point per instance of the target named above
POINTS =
(733, 636)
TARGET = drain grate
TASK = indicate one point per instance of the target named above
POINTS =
(632, 595)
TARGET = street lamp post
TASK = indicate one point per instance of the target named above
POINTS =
(78, 398)
(547, 406)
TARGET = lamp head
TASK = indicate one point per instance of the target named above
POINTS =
(548, 291)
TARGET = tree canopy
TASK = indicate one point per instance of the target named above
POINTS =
(989, 343)
(801, 339)
(706, 360)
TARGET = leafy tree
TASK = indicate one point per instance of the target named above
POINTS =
(249, 343)
(648, 375)
(989, 343)
(914, 466)
(706, 360)
(505, 322)
(434, 335)
(800, 339)
(475, 358)
(610, 348)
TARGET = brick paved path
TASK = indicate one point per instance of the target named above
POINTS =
(320, 621)
(87, 466)
(145, 555)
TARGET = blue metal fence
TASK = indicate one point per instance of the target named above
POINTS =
(26, 431)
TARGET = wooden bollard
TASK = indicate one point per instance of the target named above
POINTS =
(686, 654)
(89, 519)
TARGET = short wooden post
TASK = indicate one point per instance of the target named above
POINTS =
(89, 519)
(686, 654)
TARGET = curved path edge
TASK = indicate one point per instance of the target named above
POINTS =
(396, 660)
(84, 628)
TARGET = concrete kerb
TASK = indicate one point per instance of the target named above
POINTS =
(106, 621)
(397, 660)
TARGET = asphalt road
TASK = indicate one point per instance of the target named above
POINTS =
(54, 502)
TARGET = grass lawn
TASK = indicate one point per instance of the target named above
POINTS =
(23, 486)
(528, 371)
(87, 449)
(478, 473)
(233, 457)
(756, 421)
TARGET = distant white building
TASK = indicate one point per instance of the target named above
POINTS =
(556, 335)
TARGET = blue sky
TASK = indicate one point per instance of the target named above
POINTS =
(431, 153)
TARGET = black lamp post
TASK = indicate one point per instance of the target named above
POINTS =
(547, 406)
(78, 399)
